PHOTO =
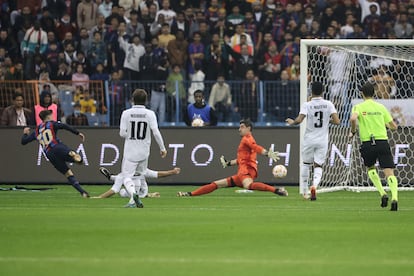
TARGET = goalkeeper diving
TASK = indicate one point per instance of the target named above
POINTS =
(247, 167)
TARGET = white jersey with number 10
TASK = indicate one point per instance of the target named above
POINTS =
(318, 112)
(137, 124)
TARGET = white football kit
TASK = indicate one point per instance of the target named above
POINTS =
(318, 112)
(137, 124)
(140, 182)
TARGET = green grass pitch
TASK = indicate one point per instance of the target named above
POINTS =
(57, 232)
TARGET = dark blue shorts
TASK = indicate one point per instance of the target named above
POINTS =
(58, 156)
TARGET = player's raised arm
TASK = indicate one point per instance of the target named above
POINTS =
(27, 136)
(59, 125)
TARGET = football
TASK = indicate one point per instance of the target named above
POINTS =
(197, 122)
(279, 171)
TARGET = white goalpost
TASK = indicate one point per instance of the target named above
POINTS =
(343, 66)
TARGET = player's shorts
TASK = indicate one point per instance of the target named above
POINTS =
(243, 173)
(314, 152)
(130, 168)
(381, 152)
(58, 156)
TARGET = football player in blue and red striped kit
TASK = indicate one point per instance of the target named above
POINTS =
(57, 152)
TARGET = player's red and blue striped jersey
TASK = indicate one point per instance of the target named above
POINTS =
(46, 134)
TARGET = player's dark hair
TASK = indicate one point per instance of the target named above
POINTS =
(368, 90)
(199, 92)
(44, 113)
(17, 94)
(317, 88)
(247, 122)
(139, 96)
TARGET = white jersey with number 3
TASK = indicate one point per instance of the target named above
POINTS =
(318, 112)
(137, 124)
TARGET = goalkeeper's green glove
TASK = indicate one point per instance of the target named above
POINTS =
(273, 154)
(224, 162)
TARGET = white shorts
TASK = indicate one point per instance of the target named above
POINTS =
(314, 152)
(130, 168)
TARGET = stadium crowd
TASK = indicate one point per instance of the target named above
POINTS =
(165, 41)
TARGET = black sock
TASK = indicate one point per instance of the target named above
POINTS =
(75, 183)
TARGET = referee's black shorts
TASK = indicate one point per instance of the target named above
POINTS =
(380, 151)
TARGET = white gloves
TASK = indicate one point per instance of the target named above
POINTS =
(273, 154)
(224, 162)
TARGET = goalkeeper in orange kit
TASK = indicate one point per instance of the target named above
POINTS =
(247, 166)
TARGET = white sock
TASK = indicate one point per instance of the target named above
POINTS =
(317, 176)
(130, 187)
(113, 177)
(304, 179)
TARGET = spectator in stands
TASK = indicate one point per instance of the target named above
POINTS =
(156, 25)
(56, 8)
(77, 118)
(23, 21)
(64, 25)
(165, 36)
(146, 21)
(403, 28)
(220, 99)
(251, 28)
(16, 114)
(199, 110)
(148, 64)
(175, 88)
(9, 44)
(64, 72)
(81, 59)
(204, 33)
(70, 53)
(146, 4)
(235, 18)
(46, 104)
(195, 53)
(88, 103)
(115, 15)
(99, 27)
(99, 73)
(236, 39)
(134, 27)
(47, 22)
(348, 28)
(222, 28)
(195, 23)
(294, 69)
(216, 59)
(13, 72)
(84, 40)
(158, 93)
(33, 43)
(168, 13)
(129, 7)
(288, 50)
(177, 50)
(366, 8)
(79, 77)
(105, 8)
(242, 62)
(358, 32)
(270, 64)
(246, 98)
(86, 14)
(133, 52)
(97, 51)
(45, 84)
(197, 82)
(180, 23)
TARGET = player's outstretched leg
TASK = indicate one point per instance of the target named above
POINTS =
(205, 189)
(105, 172)
(259, 186)
(137, 201)
(75, 183)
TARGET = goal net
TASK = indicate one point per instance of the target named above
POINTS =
(343, 66)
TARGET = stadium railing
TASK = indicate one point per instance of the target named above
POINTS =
(268, 103)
